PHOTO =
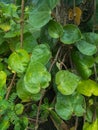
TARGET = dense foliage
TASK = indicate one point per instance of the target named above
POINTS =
(48, 64)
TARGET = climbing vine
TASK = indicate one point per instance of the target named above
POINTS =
(48, 64)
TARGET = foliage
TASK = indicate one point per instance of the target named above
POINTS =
(48, 64)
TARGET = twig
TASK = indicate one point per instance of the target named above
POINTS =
(10, 86)
(55, 59)
(38, 111)
(62, 62)
(22, 23)
(76, 123)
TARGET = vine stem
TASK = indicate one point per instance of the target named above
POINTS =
(10, 86)
(55, 59)
(38, 111)
(43, 93)
(76, 123)
(22, 23)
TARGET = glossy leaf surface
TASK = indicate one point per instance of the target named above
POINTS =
(83, 64)
(36, 78)
(55, 29)
(66, 106)
(71, 34)
(41, 53)
(86, 48)
(24, 95)
(66, 82)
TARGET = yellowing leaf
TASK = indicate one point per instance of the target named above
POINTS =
(88, 88)
(75, 14)
(2, 79)
(5, 27)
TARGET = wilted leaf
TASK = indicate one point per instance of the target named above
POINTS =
(66, 82)
(71, 34)
(41, 53)
(18, 61)
(88, 87)
(75, 15)
(86, 48)
(36, 78)
(66, 106)
(55, 29)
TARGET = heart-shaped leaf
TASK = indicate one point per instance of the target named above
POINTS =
(2, 79)
(83, 64)
(86, 48)
(55, 29)
(66, 82)
(36, 77)
(91, 38)
(88, 87)
(71, 34)
(18, 61)
(23, 94)
(66, 106)
(41, 53)
(39, 16)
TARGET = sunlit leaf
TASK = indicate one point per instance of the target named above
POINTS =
(88, 87)
(3, 77)
(18, 61)
(41, 53)
(71, 34)
(91, 126)
(86, 48)
(36, 78)
(55, 29)
(19, 108)
(66, 82)
(66, 106)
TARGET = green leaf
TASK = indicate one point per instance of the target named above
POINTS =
(83, 64)
(93, 126)
(66, 82)
(41, 53)
(39, 16)
(91, 38)
(88, 88)
(36, 78)
(55, 29)
(18, 61)
(86, 48)
(4, 123)
(3, 77)
(66, 106)
(71, 34)
(52, 3)
(23, 94)
(19, 108)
